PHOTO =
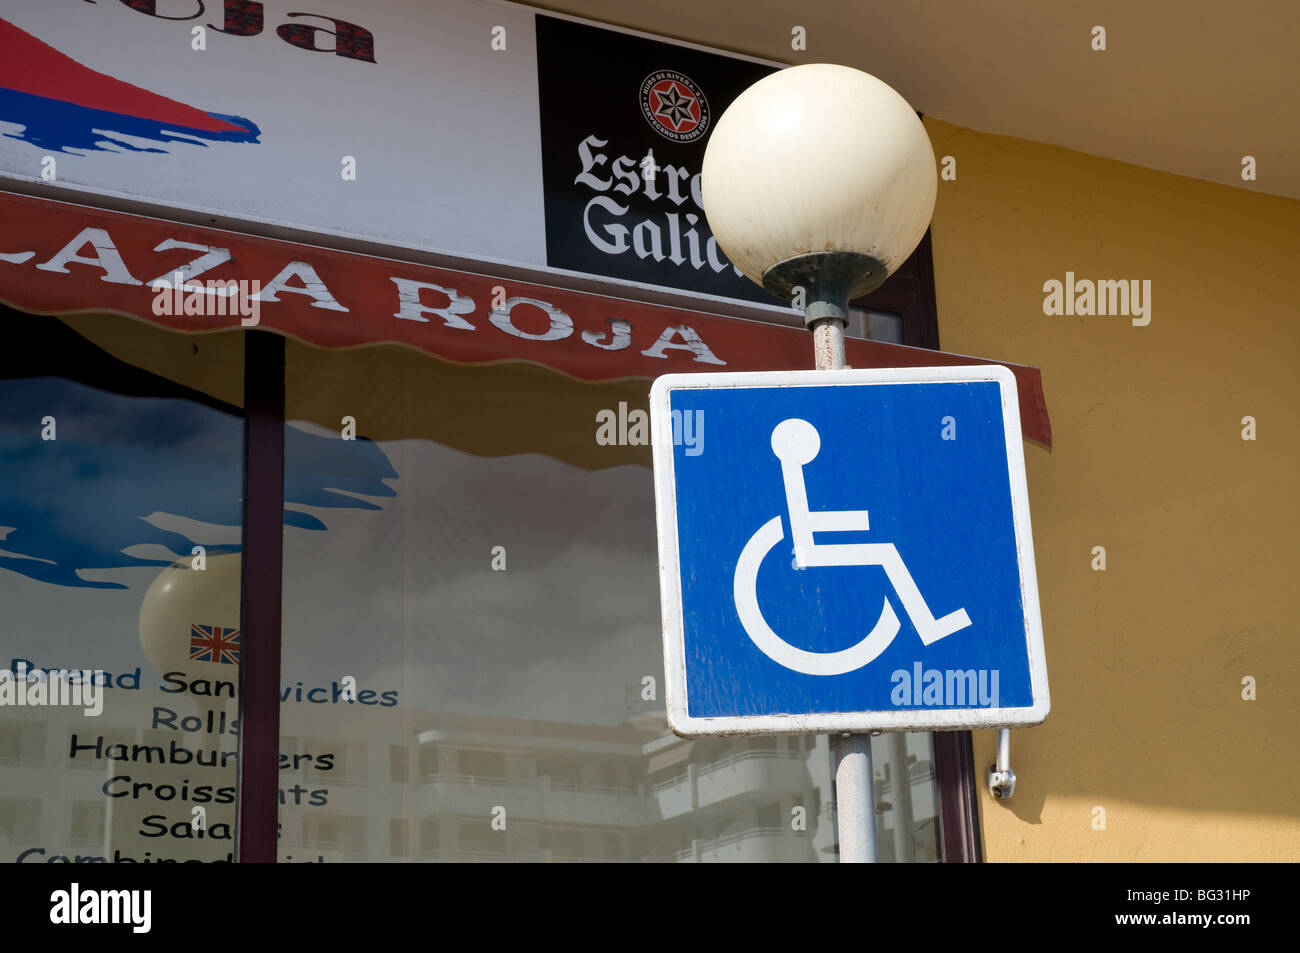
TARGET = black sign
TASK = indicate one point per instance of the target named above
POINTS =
(624, 124)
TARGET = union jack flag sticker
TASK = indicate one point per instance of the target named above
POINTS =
(214, 643)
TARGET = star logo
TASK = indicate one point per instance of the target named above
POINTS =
(674, 106)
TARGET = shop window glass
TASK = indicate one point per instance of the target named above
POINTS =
(875, 325)
(483, 572)
(121, 472)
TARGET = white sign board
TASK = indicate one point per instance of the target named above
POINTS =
(477, 130)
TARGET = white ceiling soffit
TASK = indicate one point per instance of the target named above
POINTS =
(1184, 86)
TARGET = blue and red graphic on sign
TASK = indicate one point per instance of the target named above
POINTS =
(63, 105)
(214, 643)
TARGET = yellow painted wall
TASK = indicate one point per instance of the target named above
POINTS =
(1201, 528)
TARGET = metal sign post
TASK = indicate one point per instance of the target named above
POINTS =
(855, 798)
(855, 782)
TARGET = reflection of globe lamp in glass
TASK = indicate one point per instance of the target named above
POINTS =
(191, 705)
(182, 597)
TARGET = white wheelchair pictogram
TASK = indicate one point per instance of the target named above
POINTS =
(795, 443)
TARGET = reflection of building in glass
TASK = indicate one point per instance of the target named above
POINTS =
(351, 792)
(121, 796)
(625, 793)
(586, 792)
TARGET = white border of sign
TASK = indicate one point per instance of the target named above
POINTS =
(670, 593)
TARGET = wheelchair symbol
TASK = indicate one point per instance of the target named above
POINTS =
(795, 443)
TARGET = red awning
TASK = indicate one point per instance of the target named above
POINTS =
(57, 258)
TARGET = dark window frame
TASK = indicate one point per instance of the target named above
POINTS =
(910, 292)
(257, 790)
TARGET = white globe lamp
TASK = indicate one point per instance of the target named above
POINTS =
(819, 177)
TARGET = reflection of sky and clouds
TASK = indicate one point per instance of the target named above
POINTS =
(77, 502)
(129, 485)
(557, 636)
(80, 502)
(392, 583)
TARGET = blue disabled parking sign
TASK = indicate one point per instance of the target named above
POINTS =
(846, 551)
